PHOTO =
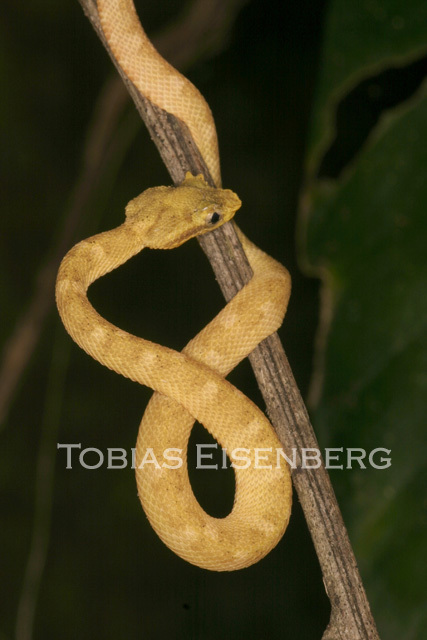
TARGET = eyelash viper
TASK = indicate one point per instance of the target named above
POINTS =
(189, 385)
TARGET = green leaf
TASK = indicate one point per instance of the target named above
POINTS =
(366, 233)
(361, 38)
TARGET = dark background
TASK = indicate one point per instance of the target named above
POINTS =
(106, 574)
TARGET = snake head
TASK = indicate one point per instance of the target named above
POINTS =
(166, 217)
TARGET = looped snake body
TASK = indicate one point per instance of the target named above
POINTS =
(189, 385)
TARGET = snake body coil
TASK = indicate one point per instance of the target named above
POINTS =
(189, 385)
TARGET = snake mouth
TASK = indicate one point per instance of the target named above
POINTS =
(192, 233)
(197, 231)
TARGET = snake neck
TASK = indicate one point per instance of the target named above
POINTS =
(84, 263)
(90, 259)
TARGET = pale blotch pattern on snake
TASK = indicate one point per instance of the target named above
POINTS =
(190, 385)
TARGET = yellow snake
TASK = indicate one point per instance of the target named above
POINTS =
(189, 385)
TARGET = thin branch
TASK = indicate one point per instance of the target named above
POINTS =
(201, 32)
(350, 613)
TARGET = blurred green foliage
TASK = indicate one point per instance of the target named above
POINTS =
(365, 235)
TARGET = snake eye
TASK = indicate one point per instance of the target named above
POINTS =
(213, 218)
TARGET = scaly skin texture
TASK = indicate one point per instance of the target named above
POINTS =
(189, 385)
(156, 79)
